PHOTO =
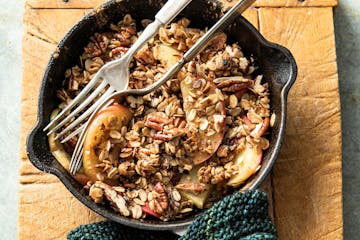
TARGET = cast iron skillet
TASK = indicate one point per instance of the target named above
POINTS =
(275, 62)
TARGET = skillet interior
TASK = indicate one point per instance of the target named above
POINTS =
(275, 62)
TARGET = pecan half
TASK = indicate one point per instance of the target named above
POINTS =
(235, 87)
(161, 202)
(228, 81)
(97, 46)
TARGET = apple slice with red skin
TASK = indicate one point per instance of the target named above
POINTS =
(259, 129)
(200, 136)
(248, 122)
(248, 160)
(146, 209)
(110, 118)
(169, 56)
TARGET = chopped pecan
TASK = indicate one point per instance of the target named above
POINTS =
(217, 174)
(204, 174)
(102, 41)
(154, 125)
(199, 83)
(145, 56)
(218, 42)
(173, 85)
(118, 51)
(158, 118)
(175, 132)
(193, 187)
(92, 51)
(114, 197)
(124, 42)
(73, 84)
(162, 136)
(157, 121)
(63, 96)
(128, 31)
(262, 130)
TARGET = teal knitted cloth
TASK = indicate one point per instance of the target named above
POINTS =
(241, 216)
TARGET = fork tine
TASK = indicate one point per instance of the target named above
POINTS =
(76, 158)
(91, 109)
(73, 134)
(78, 162)
(86, 102)
(76, 100)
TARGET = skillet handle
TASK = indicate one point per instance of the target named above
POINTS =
(287, 84)
(36, 149)
(276, 58)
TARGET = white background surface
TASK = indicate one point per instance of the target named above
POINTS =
(10, 84)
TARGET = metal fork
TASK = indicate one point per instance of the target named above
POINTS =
(114, 74)
(239, 7)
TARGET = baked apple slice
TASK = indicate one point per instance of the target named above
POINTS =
(167, 55)
(248, 162)
(57, 148)
(205, 114)
(190, 188)
(110, 118)
(61, 155)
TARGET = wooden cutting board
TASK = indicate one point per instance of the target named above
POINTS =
(305, 183)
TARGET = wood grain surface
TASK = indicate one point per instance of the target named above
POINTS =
(259, 3)
(307, 175)
(306, 180)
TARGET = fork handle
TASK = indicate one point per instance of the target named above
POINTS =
(167, 13)
(229, 16)
(145, 36)
(170, 10)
